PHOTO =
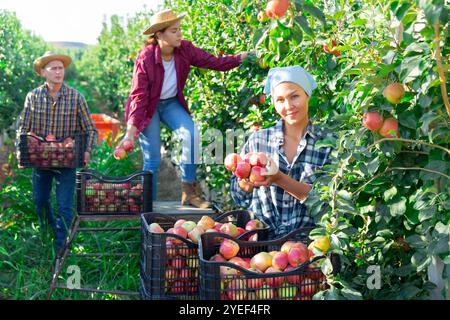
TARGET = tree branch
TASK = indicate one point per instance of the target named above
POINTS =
(410, 141)
(399, 168)
(437, 56)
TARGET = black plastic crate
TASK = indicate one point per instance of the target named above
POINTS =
(98, 194)
(228, 281)
(170, 271)
(36, 152)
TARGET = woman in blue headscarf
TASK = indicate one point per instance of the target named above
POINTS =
(293, 156)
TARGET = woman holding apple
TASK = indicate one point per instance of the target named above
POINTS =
(292, 156)
(160, 73)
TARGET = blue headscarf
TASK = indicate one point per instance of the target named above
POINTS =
(295, 74)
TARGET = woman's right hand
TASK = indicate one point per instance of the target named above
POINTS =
(129, 135)
(246, 185)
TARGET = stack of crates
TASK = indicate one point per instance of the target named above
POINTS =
(170, 263)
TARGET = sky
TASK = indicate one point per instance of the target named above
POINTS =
(74, 21)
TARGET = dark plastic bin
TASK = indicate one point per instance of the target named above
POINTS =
(171, 273)
(98, 194)
(36, 152)
(238, 283)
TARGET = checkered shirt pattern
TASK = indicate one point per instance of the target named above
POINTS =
(63, 117)
(282, 212)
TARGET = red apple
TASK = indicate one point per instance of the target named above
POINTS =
(295, 279)
(389, 129)
(394, 92)
(253, 224)
(155, 228)
(237, 289)
(218, 257)
(276, 9)
(372, 120)
(261, 261)
(297, 256)
(280, 261)
(128, 146)
(242, 170)
(274, 281)
(231, 161)
(120, 153)
(258, 159)
(255, 174)
(230, 229)
(228, 249)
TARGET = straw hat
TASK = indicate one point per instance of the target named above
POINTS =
(162, 20)
(41, 62)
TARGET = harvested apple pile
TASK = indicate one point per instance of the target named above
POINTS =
(114, 197)
(181, 262)
(236, 285)
(192, 231)
(50, 152)
(249, 167)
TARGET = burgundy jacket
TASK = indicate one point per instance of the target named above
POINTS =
(148, 77)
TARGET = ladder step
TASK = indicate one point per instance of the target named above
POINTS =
(118, 292)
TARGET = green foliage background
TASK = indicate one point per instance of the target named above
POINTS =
(382, 202)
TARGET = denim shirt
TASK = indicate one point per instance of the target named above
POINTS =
(281, 211)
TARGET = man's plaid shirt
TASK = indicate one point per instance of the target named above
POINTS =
(63, 117)
(282, 212)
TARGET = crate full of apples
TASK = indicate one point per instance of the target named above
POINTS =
(169, 253)
(50, 152)
(106, 195)
(282, 269)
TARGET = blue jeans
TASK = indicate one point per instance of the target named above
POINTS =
(65, 187)
(176, 118)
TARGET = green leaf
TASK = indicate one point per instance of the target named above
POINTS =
(408, 119)
(401, 11)
(410, 69)
(427, 213)
(417, 242)
(440, 246)
(313, 10)
(389, 194)
(408, 291)
(385, 233)
(351, 294)
(373, 165)
(3, 251)
(327, 142)
(420, 261)
(385, 69)
(435, 165)
(301, 20)
(426, 120)
(421, 47)
(398, 207)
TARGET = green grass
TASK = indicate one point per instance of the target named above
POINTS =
(27, 254)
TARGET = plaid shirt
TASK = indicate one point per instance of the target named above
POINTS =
(65, 116)
(282, 212)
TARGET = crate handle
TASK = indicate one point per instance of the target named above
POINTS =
(107, 179)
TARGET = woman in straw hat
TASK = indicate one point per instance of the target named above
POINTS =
(160, 73)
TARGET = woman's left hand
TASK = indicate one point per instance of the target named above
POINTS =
(245, 55)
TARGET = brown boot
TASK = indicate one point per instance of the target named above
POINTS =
(189, 196)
